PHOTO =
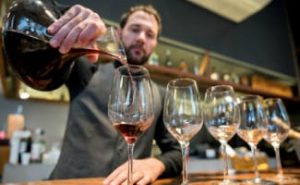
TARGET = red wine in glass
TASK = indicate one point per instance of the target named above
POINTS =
(131, 131)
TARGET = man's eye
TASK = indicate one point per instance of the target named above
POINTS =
(150, 35)
(135, 30)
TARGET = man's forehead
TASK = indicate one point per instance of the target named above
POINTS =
(142, 14)
(143, 18)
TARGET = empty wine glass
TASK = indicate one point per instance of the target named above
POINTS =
(183, 115)
(222, 118)
(110, 46)
(130, 106)
(253, 128)
(277, 131)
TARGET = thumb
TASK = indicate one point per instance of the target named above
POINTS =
(93, 57)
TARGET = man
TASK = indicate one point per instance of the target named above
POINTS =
(91, 146)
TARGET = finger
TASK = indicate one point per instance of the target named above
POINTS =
(137, 176)
(64, 30)
(113, 175)
(92, 30)
(70, 40)
(93, 57)
(120, 178)
(72, 12)
(145, 180)
(83, 34)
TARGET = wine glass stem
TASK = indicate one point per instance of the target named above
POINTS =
(225, 172)
(130, 165)
(185, 154)
(278, 161)
(257, 177)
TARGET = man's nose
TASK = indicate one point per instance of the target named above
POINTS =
(142, 37)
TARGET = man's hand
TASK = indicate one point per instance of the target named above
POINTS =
(145, 171)
(78, 27)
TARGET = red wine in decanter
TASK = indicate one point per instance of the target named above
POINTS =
(39, 65)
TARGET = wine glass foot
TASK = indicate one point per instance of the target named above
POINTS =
(228, 182)
(184, 183)
(259, 181)
(281, 179)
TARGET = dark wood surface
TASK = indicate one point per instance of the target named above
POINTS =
(195, 179)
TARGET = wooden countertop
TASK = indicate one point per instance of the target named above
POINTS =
(195, 179)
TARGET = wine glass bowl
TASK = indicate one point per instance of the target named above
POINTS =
(278, 128)
(130, 106)
(183, 115)
(253, 128)
(278, 121)
(222, 117)
(110, 46)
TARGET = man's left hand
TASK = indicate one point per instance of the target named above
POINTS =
(145, 171)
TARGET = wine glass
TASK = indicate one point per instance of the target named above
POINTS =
(183, 115)
(110, 46)
(277, 131)
(253, 127)
(222, 118)
(130, 106)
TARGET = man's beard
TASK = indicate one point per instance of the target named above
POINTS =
(132, 60)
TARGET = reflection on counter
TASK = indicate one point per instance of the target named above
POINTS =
(243, 160)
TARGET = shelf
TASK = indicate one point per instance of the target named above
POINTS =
(162, 74)
(220, 63)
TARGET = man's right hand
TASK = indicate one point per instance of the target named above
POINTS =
(77, 28)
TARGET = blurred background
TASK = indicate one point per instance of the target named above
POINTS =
(251, 45)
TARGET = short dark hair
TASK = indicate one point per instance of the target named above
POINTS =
(145, 8)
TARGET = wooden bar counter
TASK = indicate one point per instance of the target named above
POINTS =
(195, 179)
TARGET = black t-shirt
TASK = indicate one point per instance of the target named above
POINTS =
(91, 146)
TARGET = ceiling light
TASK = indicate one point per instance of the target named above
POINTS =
(234, 10)
(24, 95)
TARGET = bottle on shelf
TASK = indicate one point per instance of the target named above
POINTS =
(2, 131)
(14, 143)
(214, 75)
(25, 146)
(204, 64)
(38, 146)
(245, 80)
(235, 78)
(168, 61)
(183, 66)
(2, 135)
(15, 121)
(197, 64)
(154, 59)
(52, 156)
(226, 77)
